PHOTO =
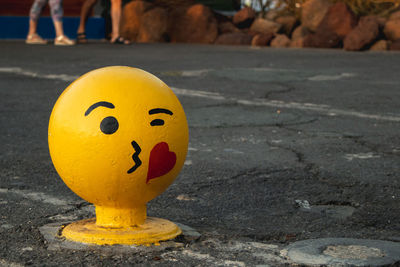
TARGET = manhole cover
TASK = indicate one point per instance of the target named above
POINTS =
(344, 252)
(353, 252)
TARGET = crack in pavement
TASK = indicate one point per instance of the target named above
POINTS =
(279, 124)
(318, 108)
(287, 89)
(372, 147)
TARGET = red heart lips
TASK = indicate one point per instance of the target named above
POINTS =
(161, 161)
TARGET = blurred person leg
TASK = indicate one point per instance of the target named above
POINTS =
(34, 14)
(116, 10)
(57, 11)
(87, 8)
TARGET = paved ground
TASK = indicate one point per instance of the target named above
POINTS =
(285, 145)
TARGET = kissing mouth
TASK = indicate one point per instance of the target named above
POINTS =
(135, 157)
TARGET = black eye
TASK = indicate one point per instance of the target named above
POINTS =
(109, 125)
(157, 122)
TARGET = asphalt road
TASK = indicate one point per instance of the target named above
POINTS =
(285, 145)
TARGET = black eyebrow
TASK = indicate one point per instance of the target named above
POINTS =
(160, 110)
(99, 104)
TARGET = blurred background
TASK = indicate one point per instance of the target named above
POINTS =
(293, 23)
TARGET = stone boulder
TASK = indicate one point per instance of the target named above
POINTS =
(363, 35)
(237, 38)
(265, 26)
(298, 36)
(271, 15)
(312, 13)
(394, 15)
(132, 14)
(154, 26)
(381, 45)
(323, 39)
(299, 43)
(244, 17)
(227, 27)
(262, 39)
(300, 32)
(173, 4)
(338, 19)
(281, 40)
(395, 45)
(288, 23)
(336, 24)
(392, 29)
(196, 24)
(382, 21)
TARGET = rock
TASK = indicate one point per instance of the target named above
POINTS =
(153, 26)
(227, 27)
(312, 13)
(173, 4)
(288, 23)
(338, 19)
(392, 29)
(271, 15)
(281, 40)
(382, 21)
(298, 36)
(395, 45)
(395, 15)
(131, 18)
(222, 18)
(262, 39)
(265, 26)
(336, 24)
(195, 24)
(237, 38)
(327, 39)
(381, 45)
(244, 17)
(300, 32)
(364, 34)
(298, 43)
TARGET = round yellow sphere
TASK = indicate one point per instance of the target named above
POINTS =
(118, 137)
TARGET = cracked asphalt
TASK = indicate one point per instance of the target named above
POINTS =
(285, 145)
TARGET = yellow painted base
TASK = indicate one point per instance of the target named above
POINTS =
(151, 232)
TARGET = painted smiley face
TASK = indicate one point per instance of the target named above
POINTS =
(161, 159)
(118, 136)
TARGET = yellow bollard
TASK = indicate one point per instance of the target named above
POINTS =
(118, 137)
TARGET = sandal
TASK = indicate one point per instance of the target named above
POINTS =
(35, 39)
(63, 40)
(120, 40)
(81, 38)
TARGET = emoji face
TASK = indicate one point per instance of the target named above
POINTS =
(118, 137)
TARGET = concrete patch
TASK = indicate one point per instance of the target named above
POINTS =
(36, 196)
(51, 232)
(19, 71)
(321, 78)
(369, 155)
(9, 264)
(210, 260)
(6, 226)
(184, 197)
(333, 211)
(344, 252)
(188, 162)
(353, 252)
